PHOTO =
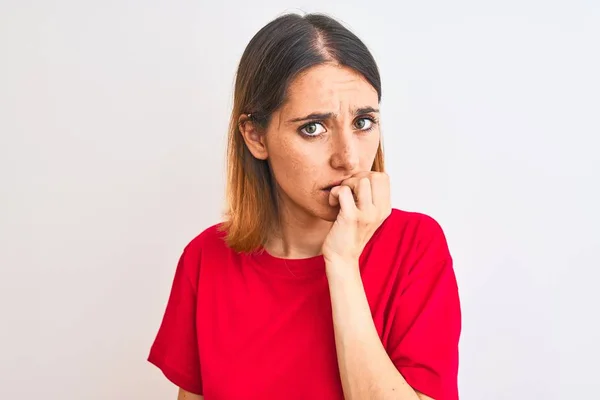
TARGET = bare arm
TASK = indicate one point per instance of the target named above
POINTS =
(183, 395)
(366, 370)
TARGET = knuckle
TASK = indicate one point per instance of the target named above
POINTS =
(352, 217)
(382, 176)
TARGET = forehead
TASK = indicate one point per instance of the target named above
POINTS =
(329, 87)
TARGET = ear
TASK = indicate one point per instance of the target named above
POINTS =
(254, 139)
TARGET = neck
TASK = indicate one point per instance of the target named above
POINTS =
(300, 235)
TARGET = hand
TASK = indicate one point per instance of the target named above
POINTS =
(364, 201)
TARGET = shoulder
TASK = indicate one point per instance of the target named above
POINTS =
(424, 223)
(416, 233)
(208, 244)
(210, 238)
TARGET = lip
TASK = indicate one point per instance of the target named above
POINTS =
(333, 184)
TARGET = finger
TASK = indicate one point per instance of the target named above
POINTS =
(347, 204)
(353, 184)
(353, 181)
(380, 189)
(363, 195)
(361, 188)
(333, 197)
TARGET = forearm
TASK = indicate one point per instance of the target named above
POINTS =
(365, 368)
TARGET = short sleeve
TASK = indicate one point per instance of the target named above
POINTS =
(175, 348)
(427, 324)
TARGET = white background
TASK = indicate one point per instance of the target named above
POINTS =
(113, 118)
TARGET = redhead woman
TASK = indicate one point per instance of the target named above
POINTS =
(313, 286)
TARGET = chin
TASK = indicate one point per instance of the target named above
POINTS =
(317, 207)
(328, 213)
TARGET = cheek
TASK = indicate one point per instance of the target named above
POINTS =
(293, 165)
(369, 147)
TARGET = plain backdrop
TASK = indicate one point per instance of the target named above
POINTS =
(113, 117)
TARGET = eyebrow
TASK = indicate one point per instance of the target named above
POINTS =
(329, 115)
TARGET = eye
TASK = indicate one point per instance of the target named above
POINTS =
(312, 129)
(364, 124)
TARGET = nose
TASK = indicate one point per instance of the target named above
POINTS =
(345, 151)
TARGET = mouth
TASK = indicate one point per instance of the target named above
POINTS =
(328, 188)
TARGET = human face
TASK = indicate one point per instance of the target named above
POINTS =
(326, 131)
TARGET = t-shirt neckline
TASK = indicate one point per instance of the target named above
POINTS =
(293, 268)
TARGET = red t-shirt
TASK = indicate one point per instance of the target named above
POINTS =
(253, 326)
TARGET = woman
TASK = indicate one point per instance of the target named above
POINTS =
(313, 287)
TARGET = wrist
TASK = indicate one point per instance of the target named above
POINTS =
(342, 268)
